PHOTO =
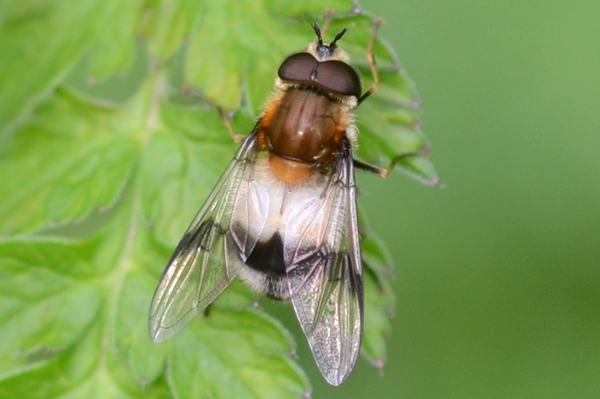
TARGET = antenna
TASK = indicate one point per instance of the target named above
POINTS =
(337, 37)
(318, 32)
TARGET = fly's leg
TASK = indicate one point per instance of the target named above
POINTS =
(206, 312)
(190, 91)
(372, 62)
(375, 72)
(238, 138)
(383, 172)
(374, 168)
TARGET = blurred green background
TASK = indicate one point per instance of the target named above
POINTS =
(498, 274)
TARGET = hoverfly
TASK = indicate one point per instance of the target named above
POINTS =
(283, 216)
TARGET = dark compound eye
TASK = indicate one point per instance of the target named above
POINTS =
(339, 77)
(298, 67)
(335, 76)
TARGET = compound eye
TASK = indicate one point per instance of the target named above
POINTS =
(339, 77)
(298, 67)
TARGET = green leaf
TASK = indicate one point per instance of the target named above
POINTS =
(97, 193)
(112, 49)
(236, 355)
(47, 300)
(146, 359)
(167, 23)
(79, 372)
(239, 44)
(299, 9)
(73, 158)
(57, 376)
(183, 163)
(52, 36)
(379, 300)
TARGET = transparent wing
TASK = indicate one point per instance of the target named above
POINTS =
(198, 270)
(325, 277)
